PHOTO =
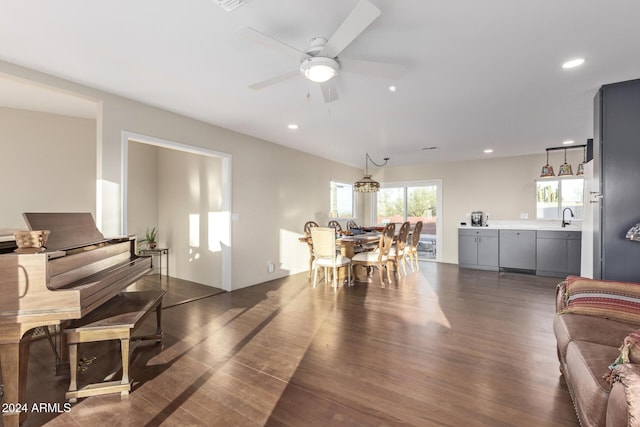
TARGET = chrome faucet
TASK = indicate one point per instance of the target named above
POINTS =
(564, 221)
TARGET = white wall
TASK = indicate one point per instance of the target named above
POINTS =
(189, 194)
(165, 189)
(504, 187)
(142, 188)
(275, 189)
(47, 164)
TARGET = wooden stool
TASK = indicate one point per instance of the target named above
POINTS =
(117, 319)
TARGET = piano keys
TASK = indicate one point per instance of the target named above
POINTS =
(79, 270)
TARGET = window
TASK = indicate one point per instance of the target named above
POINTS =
(413, 202)
(342, 200)
(554, 195)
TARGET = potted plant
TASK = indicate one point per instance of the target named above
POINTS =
(150, 238)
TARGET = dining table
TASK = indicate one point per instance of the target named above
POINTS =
(367, 239)
(347, 245)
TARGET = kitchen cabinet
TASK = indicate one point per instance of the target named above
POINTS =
(478, 249)
(518, 249)
(558, 253)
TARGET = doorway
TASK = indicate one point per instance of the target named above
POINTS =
(413, 202)
(188, 190)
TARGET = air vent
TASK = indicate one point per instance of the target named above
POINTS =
(229, 5)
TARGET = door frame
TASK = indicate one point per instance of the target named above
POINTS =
(420, 183)
(225, 186)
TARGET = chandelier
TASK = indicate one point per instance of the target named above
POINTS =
(565, 168)
(367, 184)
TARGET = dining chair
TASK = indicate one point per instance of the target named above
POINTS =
(335, 225)
(324, 246)
(380, 257)
(351, 224)
(307, 232)
(398, 252)
(412, 251)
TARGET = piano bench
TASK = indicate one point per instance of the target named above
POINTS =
(116, 319)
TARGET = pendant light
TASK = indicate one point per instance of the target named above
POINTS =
(565, 168)
(547, 170)
(584, 160)
(367, 184)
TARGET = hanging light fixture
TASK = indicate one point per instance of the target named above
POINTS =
(565, 168)
(547, 170)
(367, 184)
(584, 160)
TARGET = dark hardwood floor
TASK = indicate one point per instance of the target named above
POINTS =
(442, 347)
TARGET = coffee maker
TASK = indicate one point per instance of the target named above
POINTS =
(478, 219)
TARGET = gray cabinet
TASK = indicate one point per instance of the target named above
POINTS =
(518, 249)
(478, 249)
(558, 253)
(616, 153)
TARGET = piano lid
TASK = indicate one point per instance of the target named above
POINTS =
(68, 229)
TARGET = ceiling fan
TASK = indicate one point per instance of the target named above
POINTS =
(320, 62)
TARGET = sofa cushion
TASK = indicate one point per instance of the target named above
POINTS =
(617, 407)
(570, 327)
(627, 375)
(585, 364)
(603, 298)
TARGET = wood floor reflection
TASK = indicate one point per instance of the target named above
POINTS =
(442, 347)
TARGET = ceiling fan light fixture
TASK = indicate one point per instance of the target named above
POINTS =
(319, 69)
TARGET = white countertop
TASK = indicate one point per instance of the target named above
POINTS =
(545, 225)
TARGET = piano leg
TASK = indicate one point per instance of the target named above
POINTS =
(62, 364)
(14, 362)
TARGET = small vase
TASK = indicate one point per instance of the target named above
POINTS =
(152, 245)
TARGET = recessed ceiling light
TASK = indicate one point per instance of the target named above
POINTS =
(292, 126)
(488, 150)
(392, 88)
(568, 142)
(573, 63)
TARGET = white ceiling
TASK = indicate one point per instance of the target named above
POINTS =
(479, 74)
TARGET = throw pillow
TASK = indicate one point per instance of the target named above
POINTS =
(629, 353)
(603, 298)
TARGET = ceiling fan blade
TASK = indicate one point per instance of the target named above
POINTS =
(358, 20)
(372, 68)
(329, 92)
(269, 41)
(274, 80)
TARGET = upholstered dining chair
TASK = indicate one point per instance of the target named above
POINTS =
(380, 257)
(412, 250)
(324, 247)
(307, 232)
(335, 225)
(398, 252)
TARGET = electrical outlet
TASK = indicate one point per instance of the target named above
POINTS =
(271, 267)
(524, 215)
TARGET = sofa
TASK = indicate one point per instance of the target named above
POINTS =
(594, 327)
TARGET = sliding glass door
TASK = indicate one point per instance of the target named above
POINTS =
(413, 202)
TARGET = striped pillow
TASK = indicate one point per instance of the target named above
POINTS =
(603, 298)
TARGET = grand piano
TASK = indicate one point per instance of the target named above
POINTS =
(77, 272)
